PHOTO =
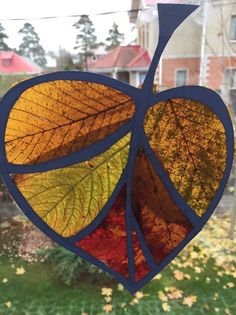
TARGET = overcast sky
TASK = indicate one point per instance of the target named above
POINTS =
(59, 31)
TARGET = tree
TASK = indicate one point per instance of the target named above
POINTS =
(115, 38)
(3, 36)
(86, 40)
(30, 46)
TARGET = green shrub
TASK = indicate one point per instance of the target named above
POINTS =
(70, 268)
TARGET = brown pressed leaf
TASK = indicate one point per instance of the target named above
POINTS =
(190, 141)
(54, 119)
(163, 225)
(141, 266)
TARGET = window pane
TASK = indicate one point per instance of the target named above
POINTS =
(230, 77)
(232, 34)
(181, 77)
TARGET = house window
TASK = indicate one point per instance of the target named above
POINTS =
(181, 77)
(142, 76)
(232, 32)
(230, 78)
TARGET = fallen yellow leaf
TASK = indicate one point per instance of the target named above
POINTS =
(227, 312)
(107, 299)
(162, 296)
(107, 291)
(190, 300)
(8, 304)
(157, 277)
(120, 287)
(175, 294)
(134, 301)
(20, 271)
(230, 285)
(179, 275)
(166, 307)
(139, 295)
(107, 308)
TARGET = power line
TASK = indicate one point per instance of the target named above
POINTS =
(72, 15)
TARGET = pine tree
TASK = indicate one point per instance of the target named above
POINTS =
(30, 46)
(3, 36)
(115, 38)
(86, 40)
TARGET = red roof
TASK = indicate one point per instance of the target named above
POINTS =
(12, 63)
(131, 56)
(152, 2)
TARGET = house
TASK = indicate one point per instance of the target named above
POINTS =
(125, 63)
(202, 51)
(12, 63)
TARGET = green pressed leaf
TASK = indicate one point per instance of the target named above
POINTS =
(68, 199)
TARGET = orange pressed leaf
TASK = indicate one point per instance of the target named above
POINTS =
(54, 119)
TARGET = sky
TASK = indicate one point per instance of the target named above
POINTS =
(59, 32)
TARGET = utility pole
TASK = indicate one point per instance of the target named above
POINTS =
(203, 45)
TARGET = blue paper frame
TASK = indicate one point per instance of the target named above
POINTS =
(170, 17)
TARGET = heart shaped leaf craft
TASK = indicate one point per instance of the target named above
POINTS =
(121, 176)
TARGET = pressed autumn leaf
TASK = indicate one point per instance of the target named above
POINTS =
(56, 118)
(68, 199)
(163, 224)
(108, 242)
(190, 141)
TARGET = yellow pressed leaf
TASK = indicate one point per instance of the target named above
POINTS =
(68, 199)
(190, 142)
(54, 119)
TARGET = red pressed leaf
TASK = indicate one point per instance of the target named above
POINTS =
(108, 242)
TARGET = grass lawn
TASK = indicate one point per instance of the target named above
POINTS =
(200, 280)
